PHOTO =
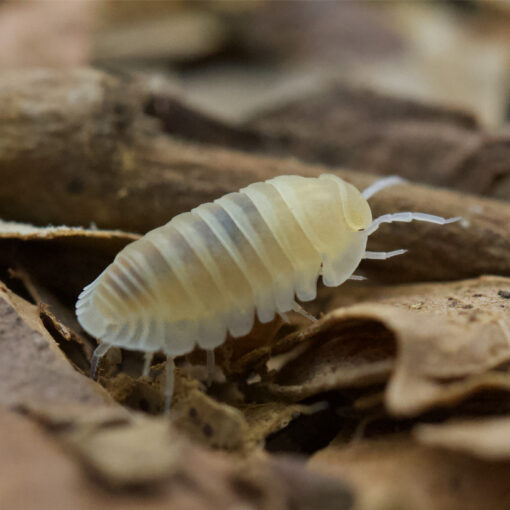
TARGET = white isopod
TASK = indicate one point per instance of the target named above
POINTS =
(209, 271)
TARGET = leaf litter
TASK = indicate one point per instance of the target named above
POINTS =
(427, 346)
(376, 395)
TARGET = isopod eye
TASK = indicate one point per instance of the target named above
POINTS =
(357, 213)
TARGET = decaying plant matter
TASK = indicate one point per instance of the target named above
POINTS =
(401, 385)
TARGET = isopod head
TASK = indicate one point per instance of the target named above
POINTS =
(333, 214)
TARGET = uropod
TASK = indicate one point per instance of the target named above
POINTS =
(210, 271)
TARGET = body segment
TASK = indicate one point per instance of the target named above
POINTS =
(210, 271)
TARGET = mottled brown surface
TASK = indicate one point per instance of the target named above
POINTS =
(34, 371)
(437, 344)
(158, 465)
(395, 472)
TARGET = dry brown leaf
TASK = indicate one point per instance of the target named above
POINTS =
(151, 452)
(242, 428)
(29, 254)
(213, 423)
(237, 355)
(126, 452)
(34, 371)
(58, 318)
(457, 351)
(266, 419)
(58, 418)
(77, 348)
(396, 472)
(81, 254)
(484, 438)
(31, 459)
(141, 452)
(27, 232)
(451, 338)
(349, 354)
(206, 419)
(143, 394)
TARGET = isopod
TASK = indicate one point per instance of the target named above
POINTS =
(208, 272)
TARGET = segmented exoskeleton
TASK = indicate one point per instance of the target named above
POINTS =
(209, 271)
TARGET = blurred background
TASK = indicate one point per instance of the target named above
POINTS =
(232, 59)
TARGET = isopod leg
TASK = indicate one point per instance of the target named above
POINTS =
(299, 309)
(210, 366)
(98, 353)
(283, 317)
(169, 382)
(357, 277)
(382, 184)
(352, 277)
(407, 217)
(147, 361)
(382, 255)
